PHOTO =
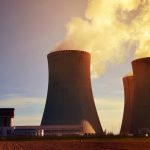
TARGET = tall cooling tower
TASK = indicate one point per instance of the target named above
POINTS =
(141, 104)
(70, 99)
(128, 83)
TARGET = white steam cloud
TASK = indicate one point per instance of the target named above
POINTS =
(109, 31)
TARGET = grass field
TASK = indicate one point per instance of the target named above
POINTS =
(75, 144)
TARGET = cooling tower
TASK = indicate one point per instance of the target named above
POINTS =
(141, 104)
(128, 82)
(70, 99)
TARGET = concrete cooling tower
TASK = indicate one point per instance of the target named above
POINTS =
(128, 82)
(70, 99)
(141, 104)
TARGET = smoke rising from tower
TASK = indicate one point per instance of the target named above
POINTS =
(109, 31)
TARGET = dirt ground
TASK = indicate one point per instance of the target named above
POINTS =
(75, 145)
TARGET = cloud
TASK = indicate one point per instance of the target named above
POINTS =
(20, 101)
(28, 110)
(25, 120)
(109, 31)
(110, 111)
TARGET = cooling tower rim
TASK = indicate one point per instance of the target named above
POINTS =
(60, 52)
(128, 76)
(144, 59)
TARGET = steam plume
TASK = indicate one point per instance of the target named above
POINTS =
(109, 31)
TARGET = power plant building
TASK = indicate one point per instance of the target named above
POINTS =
(69, 98)
(6, 121)
(8, 129)
(6, 117)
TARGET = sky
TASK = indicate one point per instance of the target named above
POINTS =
(30, 29)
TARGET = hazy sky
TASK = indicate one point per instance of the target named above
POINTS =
(29, 30)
